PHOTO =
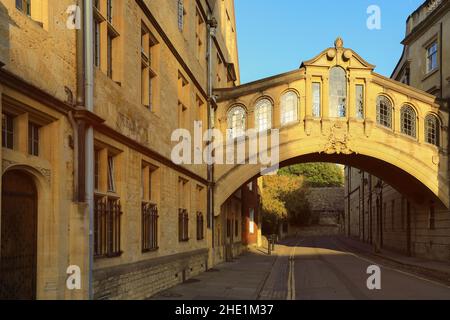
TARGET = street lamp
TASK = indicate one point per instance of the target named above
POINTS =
(379, 192)
(379, 188)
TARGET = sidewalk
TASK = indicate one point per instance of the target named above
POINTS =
(434, 269)
(242, 279)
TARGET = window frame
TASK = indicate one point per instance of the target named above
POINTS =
(33, 138)
(408, 121)
(338, 81)
(235, 132)
(360, 101)
(284, 106)
(263, 107)
(8, 131)
(384, 120)
(432, 56)
(316, 99)
(437, 134)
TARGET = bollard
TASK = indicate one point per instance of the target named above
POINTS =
(269, 246)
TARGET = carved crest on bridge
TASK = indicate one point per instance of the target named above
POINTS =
(338, 140)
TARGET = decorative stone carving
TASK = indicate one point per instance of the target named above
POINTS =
(347, 55)
(339, 43)
(331, 53)
(46, 173)
(6, 164)
(338, 140)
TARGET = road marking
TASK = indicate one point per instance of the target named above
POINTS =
(291, 275)
(391, 268)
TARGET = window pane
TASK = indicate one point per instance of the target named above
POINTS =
(408, 121)
(7, 131)
(33, 139)
(109, 60)
(384, 112)
(236, 122)
(111, 182)
(289, 108)
(97, 44)
(338, 92)
(316, 99)
(263, 115)
(180, 15)
(96, 169)
(432, 130)
(252, 221)
(359, 101)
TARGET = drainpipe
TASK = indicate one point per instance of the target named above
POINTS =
(212, 25)
(89, 145)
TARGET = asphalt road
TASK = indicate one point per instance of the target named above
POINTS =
(319, 268)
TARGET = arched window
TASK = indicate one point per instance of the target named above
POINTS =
(432, 130)
(384, 112)
(289, 107)
(263, 115)
(338, 93)
(408, 121)
(236, 121)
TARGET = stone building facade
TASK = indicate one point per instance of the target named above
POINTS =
(86, 143)
(327, 205)
(375, 211)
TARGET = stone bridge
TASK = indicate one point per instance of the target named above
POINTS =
(335, 108)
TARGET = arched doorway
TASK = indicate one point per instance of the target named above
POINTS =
(18, 236)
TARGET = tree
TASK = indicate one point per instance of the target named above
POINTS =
(316, 175)
(284, 198)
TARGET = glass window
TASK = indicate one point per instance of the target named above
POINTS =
(33, 139)
(384, 112)
(432, 61)
(432, 130)
(24, 6)
(338, 92)
(263, 115)
(408, 121)
(252, 221)
(96, 169)
(97, 43)
(359, 101)
(109, 61)
(289, 108)
(111, 178)
(316, 107)
(7, 131)
(109, 13)
(236, 122)
(180, 15)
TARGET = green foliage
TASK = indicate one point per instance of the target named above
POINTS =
(317, 175)
(284, 197)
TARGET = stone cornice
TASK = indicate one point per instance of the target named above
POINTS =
(425, 24)
(14, 82)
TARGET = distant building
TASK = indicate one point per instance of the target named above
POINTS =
(327, 205)
(375, 212)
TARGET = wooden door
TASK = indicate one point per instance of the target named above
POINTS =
(18, 237)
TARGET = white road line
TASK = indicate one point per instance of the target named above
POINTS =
(392, 269)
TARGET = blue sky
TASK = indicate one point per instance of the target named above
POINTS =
(275, 36)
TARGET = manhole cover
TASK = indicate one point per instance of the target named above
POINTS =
(213, 270)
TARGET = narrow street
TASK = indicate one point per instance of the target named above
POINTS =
(313, 268)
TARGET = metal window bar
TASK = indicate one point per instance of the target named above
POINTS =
(183, 225)
(107, 230)
(149, 227)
